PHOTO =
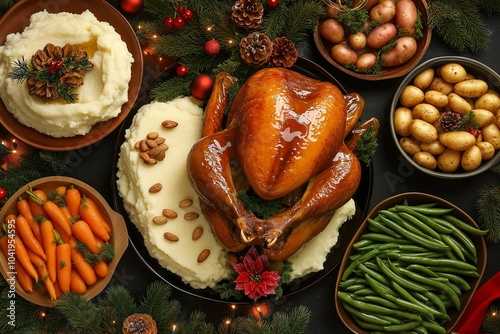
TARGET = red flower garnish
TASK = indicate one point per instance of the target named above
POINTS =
(255, 278)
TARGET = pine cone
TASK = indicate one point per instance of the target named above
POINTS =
(255, 49)
(450, 121)
(248, 14)
(43, 59)
(284, 53)
(139, 324)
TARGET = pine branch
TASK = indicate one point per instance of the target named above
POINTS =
(301, 20)
(491, 322)
(196, 324)
(250, 325)
(488, 206)
(293, 323)
(157, 304)
(273, 25)
(121, 301)
(489, 7)
(82, 315)
(172, 88)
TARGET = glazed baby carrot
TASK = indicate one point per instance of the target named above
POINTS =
(24, 230)
(101, 269)
(49, 244)
(77, 283)
(44, 274)
(73, 199)
(90, 213)
(23, 278)
(82, 231)
(79, 262)
(54, 212)
(24, 209)
(63, 256)
(24, 258)
(61, 190)
(36, 208)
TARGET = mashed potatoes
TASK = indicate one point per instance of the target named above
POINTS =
(180, 257)
(105, 87)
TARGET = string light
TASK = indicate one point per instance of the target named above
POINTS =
(173, 328)
(230, 42)
(209, 29)
(43, 314)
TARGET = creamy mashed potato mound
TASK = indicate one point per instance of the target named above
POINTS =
(135, 177)
(105, 87)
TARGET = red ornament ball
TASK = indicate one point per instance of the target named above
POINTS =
(272, 3)
(169, 22)
(187, 15)
(179, 22)
(212, 47)
(201, 86)
(131, 7)
(181, 71)
(3, 193)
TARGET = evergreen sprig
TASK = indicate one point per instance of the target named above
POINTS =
(294, 322)
(488, 206)
(491, 322)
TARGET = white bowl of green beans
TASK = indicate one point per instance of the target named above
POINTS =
(413, 265)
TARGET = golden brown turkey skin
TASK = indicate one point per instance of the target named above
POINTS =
(284, 132)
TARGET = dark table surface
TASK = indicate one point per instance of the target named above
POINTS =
(391, 175)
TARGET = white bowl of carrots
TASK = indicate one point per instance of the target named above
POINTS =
(62, 233)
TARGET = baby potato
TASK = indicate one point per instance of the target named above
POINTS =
(497, 120)
(453, 73)
(471, 158)
(487, 150)
(491, 134)
(405, 48)
(343, 54)
(424, 78)
(425, 159)
(402, 120)
(366, 61)
(457, 140)
(449, 160)
(411, 96)
(357, 41)
(426, 112)
(471, 88)
(423, 131)
(383, 12)
(409, 145)
(381, 35)
(434, 148)
(488, 101)
(406, 16)
(483, 117)
(332, 30)
(436, 98)
(441, 85)
(458, 104)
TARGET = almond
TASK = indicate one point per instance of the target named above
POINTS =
(160, 156)
(185, 203)
(171, 237)
(151, 143)
(144, 156)
(203, 255)
(168, 124)
(137, 145)
(155, 188)
(151, 161)
(169, 213)
(191, 215)
(144, 147)
(163, 147)
(152, 135)
(197, 232)
(154, 151)
(160, 220)
(160, 140)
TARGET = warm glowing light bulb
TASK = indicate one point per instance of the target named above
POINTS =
(139, 27)
(155, 36)
(43, 314)
(230, 42)
(233, 306)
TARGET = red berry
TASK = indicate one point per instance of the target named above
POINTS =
(181, 71)
(169, 22)
(181, 9)
(187, 15)
(178, 22)
(272, 3)
(3, 193)
(212, 47)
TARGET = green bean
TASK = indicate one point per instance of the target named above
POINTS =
(399, 279)
(420, 225)
(355, 287)
(464, 226)
(438, 285)
(433, 327)
(392, 320)
(369, 307)
(401, 328)
(429, 310)
(381, 289)
(364, 292)
(367, 325)
(468, 273)
(362, 243)
(459, 234)
(424, 210)
(456, 279)
(366, 316)
(455, 247)
(435, 300)
(353, 280)
(436, 245)
(422, 269)
(424, 218)
(412, 248)
(438, 262)
(382, 238)
(411, 228)
(348, 271)
(380, 301)
(372, 273)
(378, 226)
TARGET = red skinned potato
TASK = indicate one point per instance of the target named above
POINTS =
(381, 35)
(405, 48)
(406, 16)
(332, 30)
(343, 54)
(383, 12)
(366, 61)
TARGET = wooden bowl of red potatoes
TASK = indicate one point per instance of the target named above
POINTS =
(374, 39)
